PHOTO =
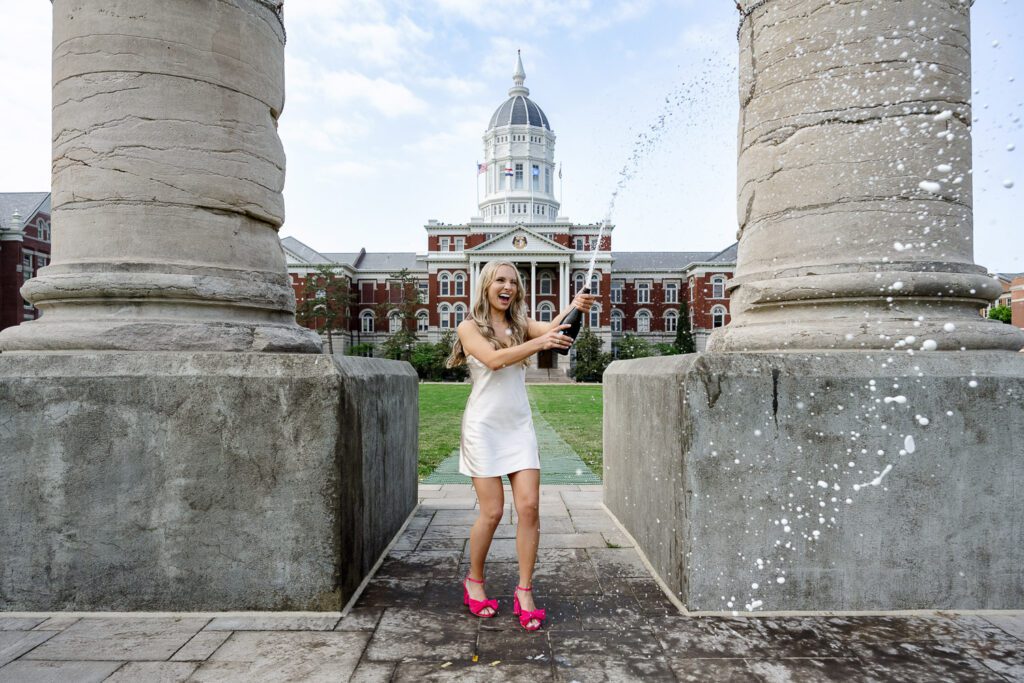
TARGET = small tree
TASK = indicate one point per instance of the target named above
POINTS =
(684, 341)
(326, 298)
(362, 349)
(403, 299)
(666, 349)
(1001, 313)
(633, 346)
(590, 360)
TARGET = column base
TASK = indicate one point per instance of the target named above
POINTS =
(825, 481)
(199, 481)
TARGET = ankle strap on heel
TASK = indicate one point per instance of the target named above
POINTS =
(520, 588)
(472, 580)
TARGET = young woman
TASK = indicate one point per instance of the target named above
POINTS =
(496, 342)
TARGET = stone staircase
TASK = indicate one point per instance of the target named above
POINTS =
(538, 375)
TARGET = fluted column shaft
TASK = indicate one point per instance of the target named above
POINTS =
(167, 181)
(854, 181)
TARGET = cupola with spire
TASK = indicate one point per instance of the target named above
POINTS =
(519, 148)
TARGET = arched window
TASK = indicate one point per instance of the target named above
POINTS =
(422, 321)
(545, 312)
(671, 320)
(460, 284)
(460, 314)
(595, 283)
(394, 321)
(578, 280)
(718, 314)
(445, 312)
(545, 283)
(444, 281)
(366, 321)
(643, 321)
(643, 292)
(718, 288)
(616, 321)
(595, 315)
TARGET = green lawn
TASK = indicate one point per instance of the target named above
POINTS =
(574, 411)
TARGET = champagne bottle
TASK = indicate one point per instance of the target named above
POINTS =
(574, 318)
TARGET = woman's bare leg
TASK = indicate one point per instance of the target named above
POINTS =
(491, 495)
(526, 494)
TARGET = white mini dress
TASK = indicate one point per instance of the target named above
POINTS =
(497, 427)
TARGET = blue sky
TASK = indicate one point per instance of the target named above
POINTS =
(387, 103)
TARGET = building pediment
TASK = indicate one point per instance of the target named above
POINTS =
(520, 240)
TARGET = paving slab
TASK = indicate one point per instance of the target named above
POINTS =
(58, 623)
(153, 672)
(201, 646)
(275, 622)
(29, 671)
(20, 623)
(119, 638)
(285, 656)
(14, 644)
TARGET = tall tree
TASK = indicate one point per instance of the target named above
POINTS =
(326, 302)
(684, 341)
(590, 360)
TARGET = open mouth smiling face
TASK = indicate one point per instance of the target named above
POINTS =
(503, 288)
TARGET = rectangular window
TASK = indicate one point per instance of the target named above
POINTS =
(366, 292)
(535, 171)
(545, 284)
(616, 291)
(424, 290)
(460, 243)
(444, 244)
(395, 292)
(670, 323)
(421, 323)
(581, 244)
(671, 293)
(519, 177)
(643, 292)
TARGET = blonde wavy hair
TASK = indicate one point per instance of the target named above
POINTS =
(515, 314)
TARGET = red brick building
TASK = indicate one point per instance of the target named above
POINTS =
(519, 220)
(1017, 301)
(24, 249)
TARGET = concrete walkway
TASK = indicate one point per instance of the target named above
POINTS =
(607, 621)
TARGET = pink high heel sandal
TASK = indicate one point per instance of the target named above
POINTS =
(477, 606)
(526, 615)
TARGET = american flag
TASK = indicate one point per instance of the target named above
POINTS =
(481, 168)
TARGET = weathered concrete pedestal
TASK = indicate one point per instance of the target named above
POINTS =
(199, 481)
(732, 470)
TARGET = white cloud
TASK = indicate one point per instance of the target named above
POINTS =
(387, 97)
(378, 44)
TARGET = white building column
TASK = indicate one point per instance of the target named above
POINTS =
(533, 289)
(473, 274)
(563, 285)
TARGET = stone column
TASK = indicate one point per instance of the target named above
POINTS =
(854, 181)
(167, 179)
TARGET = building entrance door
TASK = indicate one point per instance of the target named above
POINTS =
(546, 360)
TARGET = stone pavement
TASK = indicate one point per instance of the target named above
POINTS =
(607, 621)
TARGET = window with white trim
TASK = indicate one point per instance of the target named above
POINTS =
(595, 283)
(444, 284)
(394, 321)
(671, 292)
(581, 244)
(422, 321)
(460, 314)
(545, 312)
(460, 243)
(445, 313)
(443, 244)
(460, 284)
(643, 321)
(545, 283)
(643, 292)
(578, 281)
(671, 321)
(366, 321)
(616, 320)
(519, 177)
(423, 288)
(718, 314)
(595, 315)
(617, 286)
(718, 287)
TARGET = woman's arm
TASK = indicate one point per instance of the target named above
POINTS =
(474, 344)
(582, 301)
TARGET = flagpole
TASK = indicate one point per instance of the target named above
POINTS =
(477, 176)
